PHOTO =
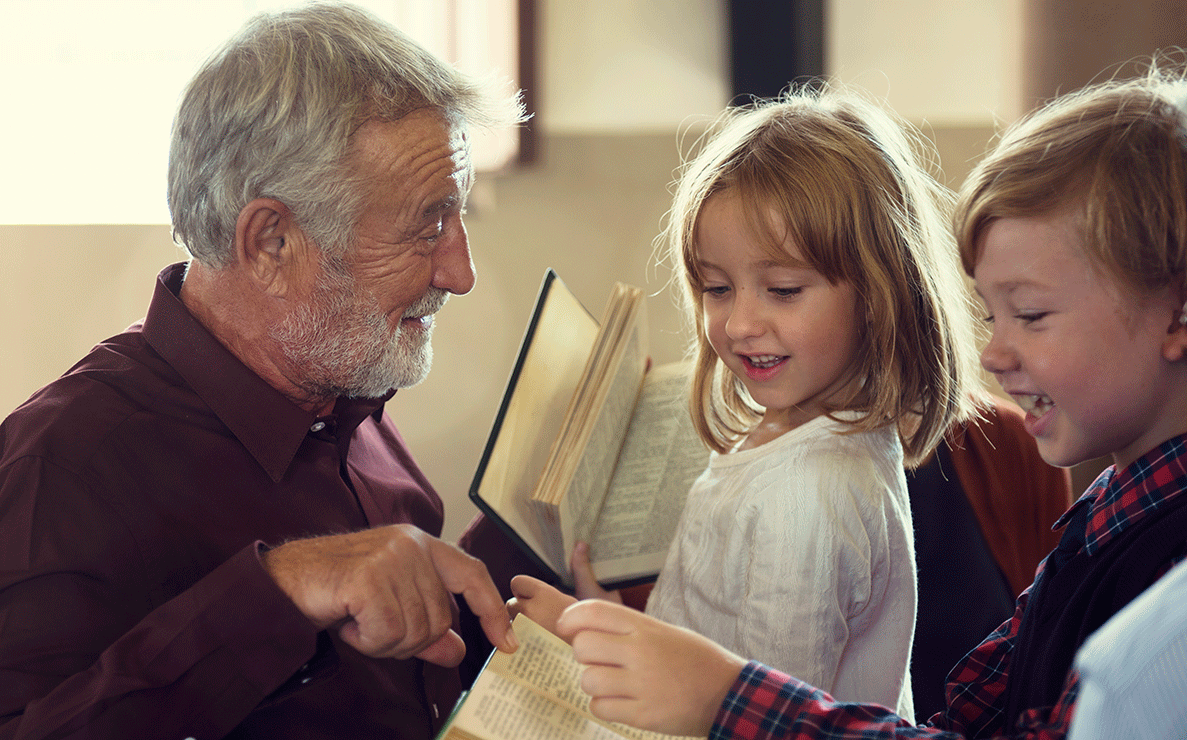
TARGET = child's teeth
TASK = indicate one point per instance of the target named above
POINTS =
(1037, 405)
(764, 360)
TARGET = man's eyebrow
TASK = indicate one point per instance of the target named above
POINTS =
(437, 208)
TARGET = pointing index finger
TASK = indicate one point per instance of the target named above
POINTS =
(468, 577)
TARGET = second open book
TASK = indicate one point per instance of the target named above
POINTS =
(533, 693)
(589, 443)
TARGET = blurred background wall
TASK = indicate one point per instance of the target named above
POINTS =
(620, 87)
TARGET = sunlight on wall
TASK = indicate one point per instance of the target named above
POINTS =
(91, 88)
(959, 68)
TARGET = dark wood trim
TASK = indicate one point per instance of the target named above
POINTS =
(528, 82)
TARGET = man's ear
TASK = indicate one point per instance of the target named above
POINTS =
(267, 244)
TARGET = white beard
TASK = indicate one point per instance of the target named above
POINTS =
(339, 345)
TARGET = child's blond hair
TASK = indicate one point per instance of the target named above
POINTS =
(847, 182)
(1111, 154)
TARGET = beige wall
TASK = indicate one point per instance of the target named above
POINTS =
(64, 288)
(619, 78)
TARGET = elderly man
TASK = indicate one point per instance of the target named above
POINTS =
(208, 526)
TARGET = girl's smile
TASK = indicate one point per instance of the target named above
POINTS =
(785, 331)
(763, 367)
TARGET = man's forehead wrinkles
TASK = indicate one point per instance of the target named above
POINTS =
(439, 188)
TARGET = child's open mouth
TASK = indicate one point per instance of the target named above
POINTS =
(763, 362)
(1035, 405)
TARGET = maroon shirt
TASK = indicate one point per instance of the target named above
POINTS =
(135, 492)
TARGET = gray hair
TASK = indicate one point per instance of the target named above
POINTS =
(273, 112)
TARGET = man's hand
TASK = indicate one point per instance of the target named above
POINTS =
(647, 673)
(537, 601)
(387, 591)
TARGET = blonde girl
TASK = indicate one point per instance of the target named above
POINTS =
(833, 345)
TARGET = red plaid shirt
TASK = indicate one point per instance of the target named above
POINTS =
(765, 703)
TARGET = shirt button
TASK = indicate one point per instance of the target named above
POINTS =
(317, 426)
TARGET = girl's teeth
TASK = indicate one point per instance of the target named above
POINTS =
(764, 361)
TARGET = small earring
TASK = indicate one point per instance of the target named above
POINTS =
(1183, 315)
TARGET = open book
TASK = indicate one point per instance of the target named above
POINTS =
(589, 444)
(533, 693)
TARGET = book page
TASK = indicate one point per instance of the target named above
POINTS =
(591, 475)
(661, 457)
(583, 455)
(534, 693)
(550, 365)
(501, 708)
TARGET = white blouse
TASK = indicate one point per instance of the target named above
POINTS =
(799, 554)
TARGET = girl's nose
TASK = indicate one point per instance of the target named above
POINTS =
(744, 318)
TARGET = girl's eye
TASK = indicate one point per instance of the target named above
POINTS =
(988, 318)
(715, 290)
(786, 292)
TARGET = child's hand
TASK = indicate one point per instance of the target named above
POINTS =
(586, 585)
(647, 673)
(537, 601)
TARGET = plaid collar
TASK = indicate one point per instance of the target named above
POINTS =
(1118, 500)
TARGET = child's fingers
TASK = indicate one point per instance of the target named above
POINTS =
(593, 648)
(537, 601)
(525, 587)
(585, 583)
(614, 709)
(522, 589)
(593, 614)
(584, 580)
(617, 696)
(607, 682)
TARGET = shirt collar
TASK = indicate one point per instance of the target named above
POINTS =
(267, 423)
(1119, 499)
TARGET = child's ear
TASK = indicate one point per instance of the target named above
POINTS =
(1174, 347)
